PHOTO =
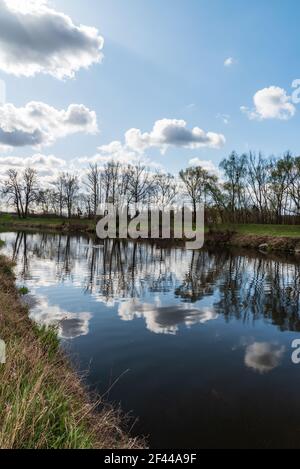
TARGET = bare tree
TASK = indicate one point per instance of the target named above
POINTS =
(258, 169)
(280, 179)
(140, 184)
(12, 191)
(21, 190)
(110, 179)
(294, 186)
(164, 189)
(93, 184)
(30, 188)
(60, 197)
(70, 191)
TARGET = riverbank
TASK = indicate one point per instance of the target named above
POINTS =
(43, 403)
(61, 225)
(284, 238)
(288, 243)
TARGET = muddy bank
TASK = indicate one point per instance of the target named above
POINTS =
(259, 242)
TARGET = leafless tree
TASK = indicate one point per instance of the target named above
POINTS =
(258, 169)
(140, 184)
(70, 191)
(93, 184)
(110, 179)
(294, 186)
(60, 197)
(164, 189)
(20, 189)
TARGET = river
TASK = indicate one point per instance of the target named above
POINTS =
(197, 346)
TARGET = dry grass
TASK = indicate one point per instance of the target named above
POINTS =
(43, 403)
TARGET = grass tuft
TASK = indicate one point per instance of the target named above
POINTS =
(23, 291)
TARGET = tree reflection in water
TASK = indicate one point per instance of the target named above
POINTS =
(245, 287)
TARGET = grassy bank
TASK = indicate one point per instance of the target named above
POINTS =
(86, 225)
(43, 403)
(48, 224)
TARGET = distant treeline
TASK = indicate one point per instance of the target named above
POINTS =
(248, 189)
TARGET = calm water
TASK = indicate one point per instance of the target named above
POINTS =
(196, 345)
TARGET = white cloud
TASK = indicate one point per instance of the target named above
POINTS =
(229, 62)
(271, 103)
(172, 133)
(36, 161)
(166, 133)
(47, 166)
(35, 38)
(38, 124)
(117, 152)
(263, 357)
(208, 165)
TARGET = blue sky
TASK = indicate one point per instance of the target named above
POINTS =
(165, 59)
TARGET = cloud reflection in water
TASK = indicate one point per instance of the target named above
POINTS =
(165, 319)
(263, 357)
(70, 325)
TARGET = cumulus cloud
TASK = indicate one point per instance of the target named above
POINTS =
(38, 124)
(114, 151)
(35, 38)
(36, 161)
(172, 133)
(166, 133)
(208, 165)
(47, 166)
(271, 103)
(120, 153)
(263, 357)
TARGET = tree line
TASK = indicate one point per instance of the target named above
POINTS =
(249, 189)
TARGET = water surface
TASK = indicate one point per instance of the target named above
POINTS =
(197, 345)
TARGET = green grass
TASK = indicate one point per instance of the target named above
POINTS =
(23, 291)
(12, 220)
(8, 221)
(49, 338)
